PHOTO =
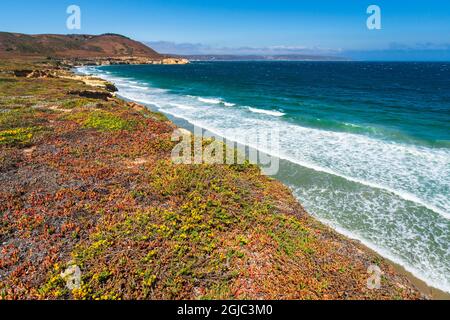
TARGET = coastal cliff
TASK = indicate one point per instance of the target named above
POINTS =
(88, 185)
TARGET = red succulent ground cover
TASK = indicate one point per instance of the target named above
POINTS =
(90, 183)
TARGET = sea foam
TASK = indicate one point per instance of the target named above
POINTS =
(267, 112)
(214, 101)
(209, 100)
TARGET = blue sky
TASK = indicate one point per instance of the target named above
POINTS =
(322, 26)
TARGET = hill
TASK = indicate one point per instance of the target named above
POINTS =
(74, 46)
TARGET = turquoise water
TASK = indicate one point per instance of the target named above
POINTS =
(367, 145)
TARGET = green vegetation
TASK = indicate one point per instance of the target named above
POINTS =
(77, 103)
(102, 120)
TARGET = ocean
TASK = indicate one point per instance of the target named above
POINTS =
(365, 145)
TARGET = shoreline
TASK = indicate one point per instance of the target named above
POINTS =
(100, 191)
(425, 288)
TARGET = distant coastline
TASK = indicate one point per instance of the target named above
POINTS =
(281, 57)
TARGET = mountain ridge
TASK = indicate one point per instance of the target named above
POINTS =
(74, 45)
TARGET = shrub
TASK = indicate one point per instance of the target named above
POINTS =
(103, 121)
(16, 136)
